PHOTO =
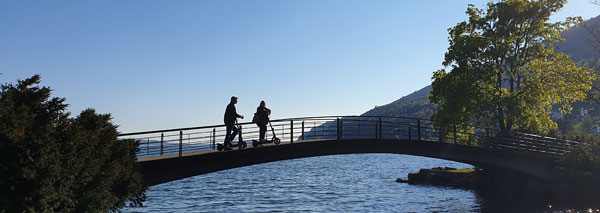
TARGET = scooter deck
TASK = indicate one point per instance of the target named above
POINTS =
(256, 143)
(240, 145)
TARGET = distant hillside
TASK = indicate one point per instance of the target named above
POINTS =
(578, 40)
(414, 105)
(417, 105)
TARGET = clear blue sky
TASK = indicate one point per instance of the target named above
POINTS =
(168, 64)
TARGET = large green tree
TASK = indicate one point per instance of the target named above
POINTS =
(51, 162)
(504, 70)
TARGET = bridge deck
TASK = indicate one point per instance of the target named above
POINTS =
(189, 154)
(172, 154)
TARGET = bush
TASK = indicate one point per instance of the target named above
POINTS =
(584, 157)
(51, 162)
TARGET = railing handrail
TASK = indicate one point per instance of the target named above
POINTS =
(374, 127)
(285, 119)
(216, 126)
(246, 123)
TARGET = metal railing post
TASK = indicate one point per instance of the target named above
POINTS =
(148, 146)
(455, 138)
(409, 133)
(418, 129)
(376, 131)
(291, 131)
(440, 136)
(302, 130)
(380, 129)
(162, 139)
(214, 139)
(180, 142)
(338, 128)
(341, 128)
(397, 132)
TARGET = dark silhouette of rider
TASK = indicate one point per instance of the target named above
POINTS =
(230, 118)
(261, 118)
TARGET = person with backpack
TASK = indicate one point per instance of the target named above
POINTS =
(261, 118)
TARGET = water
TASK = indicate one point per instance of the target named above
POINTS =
(348, 183)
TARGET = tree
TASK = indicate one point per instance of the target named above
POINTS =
(50, 162)
(504, 71)
(587, 125)
(582, 162)
(594, 31)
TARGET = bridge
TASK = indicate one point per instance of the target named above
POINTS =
(172, 154)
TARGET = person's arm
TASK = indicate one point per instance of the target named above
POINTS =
(236, 114)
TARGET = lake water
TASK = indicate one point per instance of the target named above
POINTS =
(339, 183)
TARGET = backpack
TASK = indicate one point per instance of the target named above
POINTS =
(256, 118)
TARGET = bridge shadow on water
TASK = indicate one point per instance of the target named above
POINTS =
(520, 195)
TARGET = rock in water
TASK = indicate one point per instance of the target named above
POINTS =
(464, 178)
(400, 180)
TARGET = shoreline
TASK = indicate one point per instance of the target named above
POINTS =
(498, 185)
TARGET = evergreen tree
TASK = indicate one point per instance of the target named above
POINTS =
(50, 162)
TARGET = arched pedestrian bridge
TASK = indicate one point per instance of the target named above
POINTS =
(172, 154)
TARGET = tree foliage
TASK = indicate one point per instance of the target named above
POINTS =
(504, 70)
(585, 156)
(51, 162)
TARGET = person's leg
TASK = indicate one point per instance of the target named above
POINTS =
(263, 131)
(228, 135)
(235, 131)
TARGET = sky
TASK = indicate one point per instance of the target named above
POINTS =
(169, 64)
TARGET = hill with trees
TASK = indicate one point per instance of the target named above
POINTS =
(584, 116)
(415, 105)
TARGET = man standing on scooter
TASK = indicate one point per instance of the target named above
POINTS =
(230, 118)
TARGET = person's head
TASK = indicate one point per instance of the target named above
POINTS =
(263, 104)
(234, 99)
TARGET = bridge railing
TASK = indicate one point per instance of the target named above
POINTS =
(181, 141)
(529, 142)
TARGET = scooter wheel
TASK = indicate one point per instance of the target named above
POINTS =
(254, 143)
(276, 141)
(243, 145)
(220, 147)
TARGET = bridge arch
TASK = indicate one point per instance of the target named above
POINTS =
(172, 154)
(162, 170)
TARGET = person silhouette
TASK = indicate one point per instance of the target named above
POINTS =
(229, 119)
(261, 118)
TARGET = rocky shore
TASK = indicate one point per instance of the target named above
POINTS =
(500, 187)
(443, 176)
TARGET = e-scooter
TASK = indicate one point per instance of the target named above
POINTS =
(241, 143)
(274, 139)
